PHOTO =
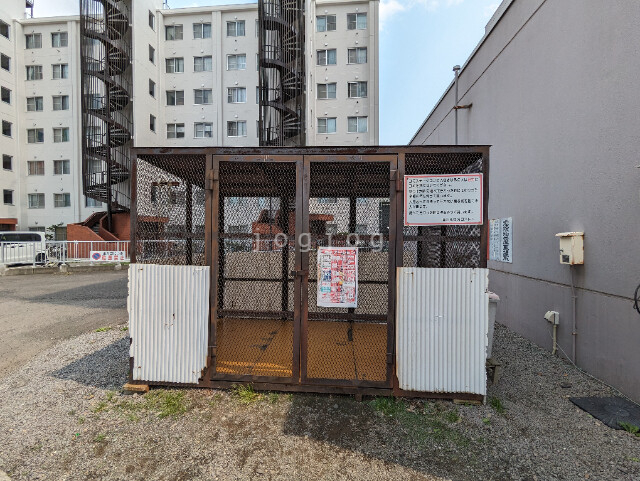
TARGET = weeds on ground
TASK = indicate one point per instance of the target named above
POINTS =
(635, 460)
(104, 329)
(630, 428)
(99, 438)
(497, 405)
(424, 423)
(163, 403)
(245, 393)
(486, 420)
(124, 328)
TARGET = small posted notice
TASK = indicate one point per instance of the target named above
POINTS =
(108, 256)
(501, 240)
(443, 199)
(338, 277)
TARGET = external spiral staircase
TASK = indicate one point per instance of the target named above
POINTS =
(282, 72)
(106, 101)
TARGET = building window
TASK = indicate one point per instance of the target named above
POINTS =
(257, 28)
(152, 20)
(59, 39)
(327, 125)
(257, 95)
(356, 21)
(7, 196)
(6, 128)
(203, 96)
(5, 62)
(237, 128)
(7, 162)
(173, 32)
(60, 102)
(61, 134)
(236, 62)
(325, 23)
(326, 57)
(34, 72)
(62, 200)
(235, 29)
(33, 40)
(60, 71)
(152, 123)
(5, 95)
(327, 91)
(89, 202)
(203, 130)
(4, 29)
(357, 90)
(152, 88)
(357, 124)
(36, 201)
(175, 131)
(61, 167)
(236, 95)
(94, 134)
(152, 55)
(35, 104)
(175, 65)
(175, 97)
(35, 167)
(327, 200)
(357, 55)
(35, 136)
(201, 30)
(202, 64)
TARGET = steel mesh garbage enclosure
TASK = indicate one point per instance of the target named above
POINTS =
(349, 206)
(170, 210)
(254, 317)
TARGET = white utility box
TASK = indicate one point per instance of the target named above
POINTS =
(571, 247)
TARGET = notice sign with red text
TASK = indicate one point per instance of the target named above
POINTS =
(337, 276)
(443, 199)
(108, 256)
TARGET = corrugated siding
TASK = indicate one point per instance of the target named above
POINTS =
(168, 322)
(441, 331)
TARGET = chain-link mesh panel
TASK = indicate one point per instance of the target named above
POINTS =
(256, 234)
(349, 206)
(443, 246)
(170, 205)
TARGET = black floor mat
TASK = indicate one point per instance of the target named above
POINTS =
(609, 410)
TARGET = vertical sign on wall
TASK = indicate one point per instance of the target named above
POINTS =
(501, 240)
(507, 239)
(337, 277)
(443, 199)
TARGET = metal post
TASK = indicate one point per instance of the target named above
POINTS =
(456, 69)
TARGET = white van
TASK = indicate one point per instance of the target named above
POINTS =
(22, 247)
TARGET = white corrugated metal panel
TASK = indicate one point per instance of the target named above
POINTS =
(168, 322)
(441, 329)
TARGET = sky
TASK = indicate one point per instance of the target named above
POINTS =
(420, 42)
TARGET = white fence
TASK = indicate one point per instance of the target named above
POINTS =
(61, 252)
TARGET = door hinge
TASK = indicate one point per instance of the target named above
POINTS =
(212, 176)
(395, 176)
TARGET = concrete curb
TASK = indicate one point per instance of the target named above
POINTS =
(62, 269)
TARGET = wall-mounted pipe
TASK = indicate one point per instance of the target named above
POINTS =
(456, 69)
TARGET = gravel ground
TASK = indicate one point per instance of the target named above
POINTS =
(37, 311)
(63, 418)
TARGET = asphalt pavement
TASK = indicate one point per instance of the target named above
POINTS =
(36, 311)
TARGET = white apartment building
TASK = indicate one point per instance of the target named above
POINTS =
(195, 83)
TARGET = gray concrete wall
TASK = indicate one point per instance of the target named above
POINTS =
(554, 90)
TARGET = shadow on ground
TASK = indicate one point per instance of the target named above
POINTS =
(419, 438)
(107, 368)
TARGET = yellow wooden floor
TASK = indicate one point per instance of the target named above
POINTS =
(264, 347)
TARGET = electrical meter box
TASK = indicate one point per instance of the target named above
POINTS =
(571, 248)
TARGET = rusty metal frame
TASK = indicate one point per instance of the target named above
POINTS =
(303, 157)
